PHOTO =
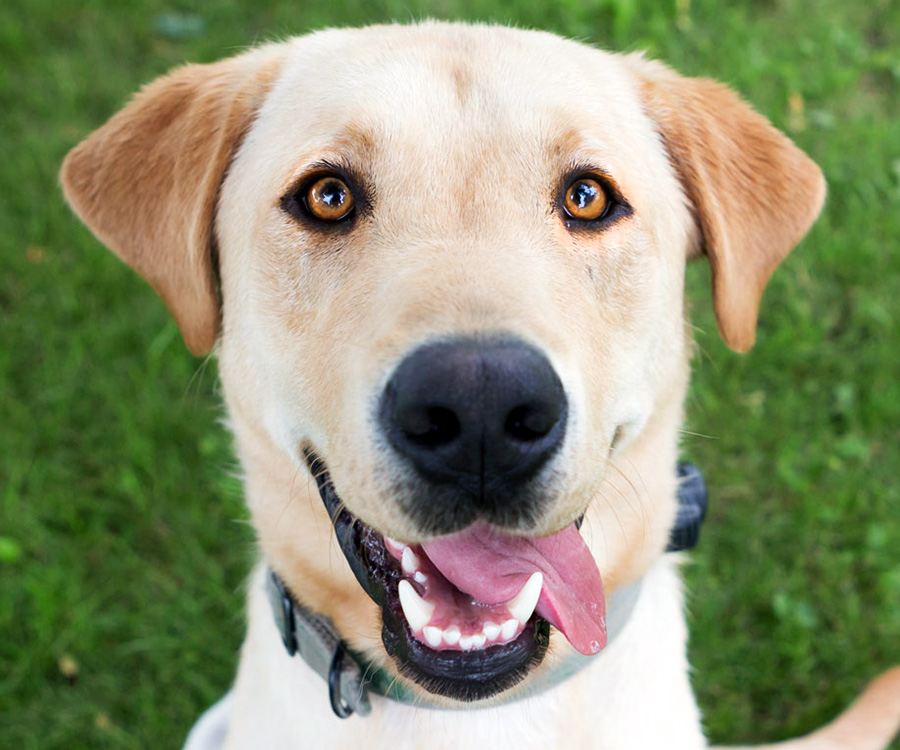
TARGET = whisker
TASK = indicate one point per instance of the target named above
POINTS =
(698, 434)
(290, 498)
(638, 495)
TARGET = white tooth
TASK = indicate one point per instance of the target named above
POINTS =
(409, 561)
(522, 605)
(418, 611)
(420, 577)
(508, 629)
(471, 642)
(491, 630)
(451, 635)
(394, 543)
(433, 635)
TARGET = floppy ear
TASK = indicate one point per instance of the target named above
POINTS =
(754, 192)
(146, 183)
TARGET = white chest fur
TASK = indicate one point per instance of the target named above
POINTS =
(635, 696)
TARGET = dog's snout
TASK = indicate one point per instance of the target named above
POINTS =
(483, 415)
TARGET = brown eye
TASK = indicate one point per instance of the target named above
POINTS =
(329, 199)
(586, 200)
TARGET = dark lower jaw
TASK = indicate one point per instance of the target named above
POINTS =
(459, 675)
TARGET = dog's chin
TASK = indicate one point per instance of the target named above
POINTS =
(458, 671)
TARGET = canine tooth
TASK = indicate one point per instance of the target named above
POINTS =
(418, 611)
(420, 577)
(452, 635)
(522, 605)
(491, 630)
(508, 629)
(433, 635)
(409, 561)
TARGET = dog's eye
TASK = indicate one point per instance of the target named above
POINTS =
(586, 200)
(329, 199)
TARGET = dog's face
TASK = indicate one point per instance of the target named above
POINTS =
(451, 264)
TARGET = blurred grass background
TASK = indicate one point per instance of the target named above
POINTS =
(122, 541)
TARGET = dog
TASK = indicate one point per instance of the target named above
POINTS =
(442, 269)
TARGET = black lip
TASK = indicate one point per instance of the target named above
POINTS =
(460, 675)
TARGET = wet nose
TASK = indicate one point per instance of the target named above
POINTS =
(474, 413)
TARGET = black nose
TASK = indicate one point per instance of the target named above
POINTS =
(482, 415)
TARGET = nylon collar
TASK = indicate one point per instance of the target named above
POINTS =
(350, 677)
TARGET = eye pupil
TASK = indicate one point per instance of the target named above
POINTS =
(584, 193)
(333, 196)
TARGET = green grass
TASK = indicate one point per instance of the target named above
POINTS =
(122, 540)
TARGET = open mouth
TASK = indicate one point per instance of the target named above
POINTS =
(468, 615)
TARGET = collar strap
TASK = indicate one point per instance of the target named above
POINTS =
(693, 500)
(318, 642)
(350, 677)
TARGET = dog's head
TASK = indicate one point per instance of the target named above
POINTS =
(444, 268)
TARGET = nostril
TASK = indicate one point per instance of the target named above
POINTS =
(429, 427)
(527, 423)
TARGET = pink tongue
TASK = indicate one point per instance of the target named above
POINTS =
(492, 567)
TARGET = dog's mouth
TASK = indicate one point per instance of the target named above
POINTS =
(468, 615)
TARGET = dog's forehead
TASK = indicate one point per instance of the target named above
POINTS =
(407, 97)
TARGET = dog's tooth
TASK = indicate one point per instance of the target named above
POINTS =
(394, 543)
(409, 561)
(418, 611)
(491, 630)
(508, 629)
(420, 577)
(433, 635)
(452, 635)
(472, 642)
(522, 605)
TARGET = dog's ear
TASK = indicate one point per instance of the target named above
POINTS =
(754, 192)
(147, 182)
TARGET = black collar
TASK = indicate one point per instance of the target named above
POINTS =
(350, 677)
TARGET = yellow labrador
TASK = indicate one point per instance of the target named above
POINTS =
(442, 267)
